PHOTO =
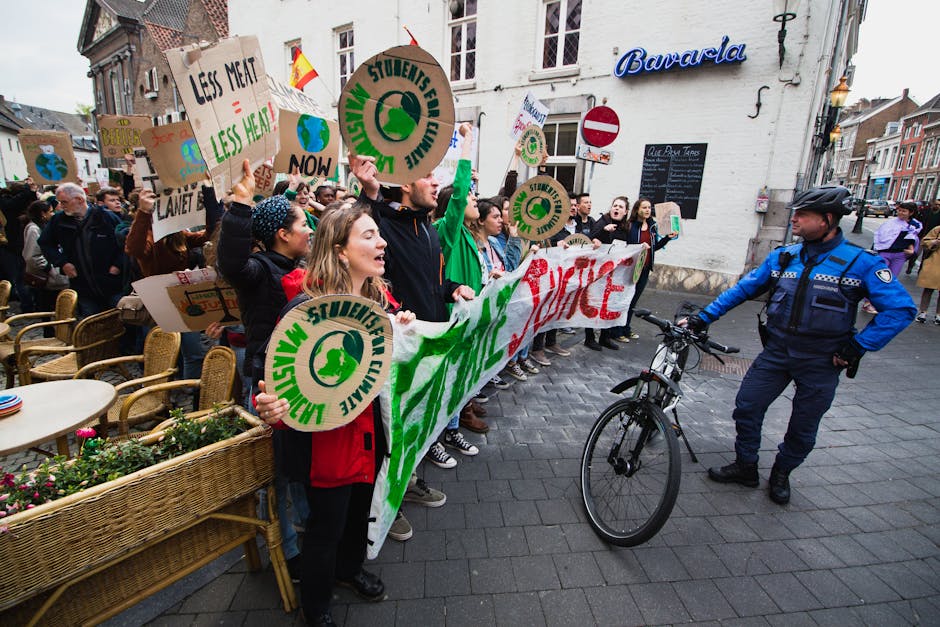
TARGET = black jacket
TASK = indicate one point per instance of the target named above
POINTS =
(256, 278)
(584, 226)
(607, 237)
(414, 264)
(657, 242)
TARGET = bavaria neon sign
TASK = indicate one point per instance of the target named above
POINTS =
(638, 61)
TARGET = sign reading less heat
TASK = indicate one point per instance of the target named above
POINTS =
(398, 108)
(329, 357)
(539, 208)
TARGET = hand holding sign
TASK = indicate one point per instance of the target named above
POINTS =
(363, 168)
(244, 190)
(146, 200)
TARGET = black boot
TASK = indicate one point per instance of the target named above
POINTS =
(779, 485)
(736, 472)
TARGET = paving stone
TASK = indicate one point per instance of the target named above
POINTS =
(556, 512)
(469, 611)
(778, 557)
(828, 588)
(216, 596)
(544, 539)
(813, 553)
(768, 527)
(878, 614)
(613, 606)
(528, 489)
(491, 575)
(258, 591)
(701, 562)
(371, 614)
(865, 585)
(577, 570)
(481, 515)
(791, 619)
(564, 607)
(661, 564)
(517, 513)
(494, 490)
(847, 549)
(403, 581)
(733, 529)
(446, 578)
(787, 592)
(535, 572)
(426, 545)
(703, 601)
(741, 558)
(425, 612)
(464, 543)
(506, 541)
(516, 609)
(620, 567)
(746, 596)
(902, 580)
(836, 617)
(173, 620)
(659, 603)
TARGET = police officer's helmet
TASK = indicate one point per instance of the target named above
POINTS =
(825, 199)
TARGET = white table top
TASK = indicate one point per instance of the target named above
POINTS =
(52, 409)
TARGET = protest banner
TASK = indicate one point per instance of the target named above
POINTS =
(447, 168)
(175, 155)
(398, 108)
(531, 111)
(534, 150)
(120, 134)
(225, 91)
(189, 300)
(309, 138)
(329, 357)
(438, 366)
(49, 157)
(175, 208)
(540, 208)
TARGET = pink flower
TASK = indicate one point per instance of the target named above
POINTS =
(30, 506)
(86, 432)
(4, 497)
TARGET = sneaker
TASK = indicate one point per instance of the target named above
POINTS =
(420, 493)
(455, 440)
(540, 358)
(481, 398)
(623, 339)
(530, 366)
(633, 336)
(401, 529)
(295, 568)
(439, 457)
(936, 320)
(558, 350)
(499, 383)
(514, 371)
(567, 330)
(921, 317)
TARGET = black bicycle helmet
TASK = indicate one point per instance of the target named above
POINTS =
(825, 199)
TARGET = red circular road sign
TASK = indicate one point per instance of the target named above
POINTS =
(600, 126)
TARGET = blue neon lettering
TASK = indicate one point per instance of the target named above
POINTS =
(637, 60)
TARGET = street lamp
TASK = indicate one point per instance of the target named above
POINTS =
(839, 94)
(860, 211)
(828, 130)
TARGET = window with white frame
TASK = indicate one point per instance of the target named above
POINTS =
(936, 156)
(905, 183)
(900, 162)
(854, 170)
(907, 133)
(927, 153)
(151, 81)
(344, 51)
(463, 40)
(561, 139)
(910, 157)
(562, 33)
(928, 188)
(290, 49)
(915, 193)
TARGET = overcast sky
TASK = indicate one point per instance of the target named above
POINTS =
(41, 65)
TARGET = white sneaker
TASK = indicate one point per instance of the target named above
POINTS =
(530, 366)
(439, 457)
(454, 439)
(921, 317)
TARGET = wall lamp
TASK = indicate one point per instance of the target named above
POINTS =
(828, 130)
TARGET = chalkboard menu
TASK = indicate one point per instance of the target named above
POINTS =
(673, 172)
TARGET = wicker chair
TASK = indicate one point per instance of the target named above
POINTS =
(161, 351)
(5, 288)
(61, 320)
(216, 386)
(95, 338)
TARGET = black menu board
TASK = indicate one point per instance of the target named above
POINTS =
(673, 172)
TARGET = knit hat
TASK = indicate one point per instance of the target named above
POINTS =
(268, 216)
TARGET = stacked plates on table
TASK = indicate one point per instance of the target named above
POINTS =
(10, 404)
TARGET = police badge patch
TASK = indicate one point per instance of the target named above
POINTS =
(884, 275)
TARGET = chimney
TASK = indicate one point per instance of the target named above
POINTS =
(904, 94)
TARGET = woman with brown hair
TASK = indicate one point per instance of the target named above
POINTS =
(641, 229)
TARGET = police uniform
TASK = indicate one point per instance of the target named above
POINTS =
(810, 317)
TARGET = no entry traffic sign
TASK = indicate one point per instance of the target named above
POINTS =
(600, 126)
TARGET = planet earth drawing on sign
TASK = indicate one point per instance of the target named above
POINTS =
(312, 133)
(397, 115)
(335, 357)
(538, 208)
(51, 166)
(191, 153)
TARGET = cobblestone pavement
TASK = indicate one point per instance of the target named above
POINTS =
(856, 545)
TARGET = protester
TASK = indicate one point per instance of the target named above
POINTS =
(896, 241)
(929, 276)
(14, 201)
(325, 194)
(611, 227)
(43, 295)
(642, 229)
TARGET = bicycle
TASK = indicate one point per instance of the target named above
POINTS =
(631, 467)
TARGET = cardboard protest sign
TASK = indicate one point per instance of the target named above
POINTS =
(668, 218)
(531, 111)
(447, 168)
(49, 157)
(398, 108)
(120, 134)
(265, 180)
(578, 239)
(310, 139)
(175, 154)
(540, 208)
(438, 366)
(175, 208)
(225, 90)
(329, 357)
(534, 146)
(188, 301)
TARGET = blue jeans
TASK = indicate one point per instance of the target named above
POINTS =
(192, 353)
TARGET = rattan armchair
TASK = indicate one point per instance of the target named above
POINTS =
(5, 288)
(161, 352)
(216, 386)
(61, 320)
(95, 338)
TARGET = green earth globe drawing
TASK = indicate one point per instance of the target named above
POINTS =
(532, 146)
(191, 153)
(51, 166)
(312, 133)
(397, 115)
(335, 357)
(538, 208)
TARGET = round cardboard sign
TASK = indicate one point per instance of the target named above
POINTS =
(578, 239)
(398, 107)
(329, 357)
(534, 145)
(638, 262)
(539, 208)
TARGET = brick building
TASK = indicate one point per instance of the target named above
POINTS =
(928, 168)
(906, 184)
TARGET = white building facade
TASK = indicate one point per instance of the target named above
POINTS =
(722, 57)
(883, 152)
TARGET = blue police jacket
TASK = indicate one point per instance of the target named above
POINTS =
(815, 300)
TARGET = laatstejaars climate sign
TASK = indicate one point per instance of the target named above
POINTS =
(539, 208)
(398, 108)
(329, 357)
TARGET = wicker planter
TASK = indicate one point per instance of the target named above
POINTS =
(90, 555)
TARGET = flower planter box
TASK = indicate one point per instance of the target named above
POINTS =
(90, 555)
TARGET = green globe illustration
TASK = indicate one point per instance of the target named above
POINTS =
(397, 115)
(189, 149)
(538, 208)
(532, 146)
(51, 166)
(335, 357)
(312, 133)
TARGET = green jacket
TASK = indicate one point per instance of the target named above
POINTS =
(461, 255)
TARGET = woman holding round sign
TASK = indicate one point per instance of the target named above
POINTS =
(325, 362)
(642, 230)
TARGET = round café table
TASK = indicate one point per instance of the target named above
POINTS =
(52, 410)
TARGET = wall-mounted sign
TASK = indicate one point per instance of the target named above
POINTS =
(600, 126)
(597, 155)
(638, 61)
(673, 172)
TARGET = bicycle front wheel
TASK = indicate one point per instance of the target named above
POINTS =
(630, 472)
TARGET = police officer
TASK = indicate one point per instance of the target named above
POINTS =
(815, 287)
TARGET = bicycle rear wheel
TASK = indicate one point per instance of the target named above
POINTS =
(630, 472)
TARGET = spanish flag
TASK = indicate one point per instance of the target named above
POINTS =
(301, 72)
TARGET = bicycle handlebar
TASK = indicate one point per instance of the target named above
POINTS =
(673, 329)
